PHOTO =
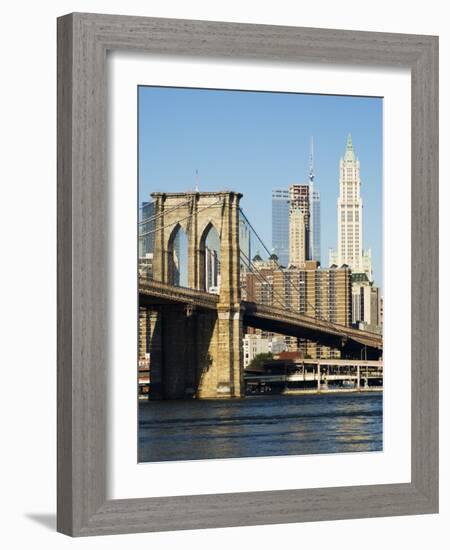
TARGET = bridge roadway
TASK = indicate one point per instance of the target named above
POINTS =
(269, 318)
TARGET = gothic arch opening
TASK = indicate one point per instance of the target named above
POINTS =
(177, 252)
(209, 264)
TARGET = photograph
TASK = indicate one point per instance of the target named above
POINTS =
(233, 322)
(260, 274)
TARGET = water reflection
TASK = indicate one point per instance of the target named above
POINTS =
(260, 426)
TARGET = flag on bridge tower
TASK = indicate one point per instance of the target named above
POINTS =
(196, 181)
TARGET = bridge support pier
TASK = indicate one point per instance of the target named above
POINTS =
(195, 353)
(156, 358)
(225, 378)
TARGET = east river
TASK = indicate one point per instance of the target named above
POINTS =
(260, 426)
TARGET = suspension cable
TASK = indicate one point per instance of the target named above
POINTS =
(319, 316)
(156, 216)
(250, 264)
(275, 261)
(278, 301)
(182, 219)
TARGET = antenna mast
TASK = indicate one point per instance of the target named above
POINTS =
(311, 162)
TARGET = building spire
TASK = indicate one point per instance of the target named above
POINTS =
(349, 143)
(349, 152)
(311, 162)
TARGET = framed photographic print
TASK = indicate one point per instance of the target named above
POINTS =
(247, 274)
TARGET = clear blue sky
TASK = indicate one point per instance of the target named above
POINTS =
(253, 142)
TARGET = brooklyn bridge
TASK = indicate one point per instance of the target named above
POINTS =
(195, 336)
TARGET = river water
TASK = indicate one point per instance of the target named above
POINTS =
(260, 426)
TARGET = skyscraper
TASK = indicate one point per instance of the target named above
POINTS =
(297, 237)
(305, 198)
(314, 222)
(212, 270)
(280, 224)
(146, 229)
(350, 215)
(299, 200)
(365, 303)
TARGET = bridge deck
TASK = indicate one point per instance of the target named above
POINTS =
(270, 318)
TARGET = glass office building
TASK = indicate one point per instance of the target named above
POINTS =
(314, 234)
(280, 225)
(146, 229)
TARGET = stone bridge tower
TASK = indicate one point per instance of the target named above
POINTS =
(198, 353)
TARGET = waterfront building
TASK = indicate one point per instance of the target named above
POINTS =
(277, 344)
(144, 333)
(280, 224)
(350, 216)
(145, 264)
(144, 350)
(256, 343)
(253, 345)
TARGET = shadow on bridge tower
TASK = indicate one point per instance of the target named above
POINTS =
(195, 352)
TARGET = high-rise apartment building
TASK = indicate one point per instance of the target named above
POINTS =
(259, 282)
(280, 224)
(350, 216)
(321, 293)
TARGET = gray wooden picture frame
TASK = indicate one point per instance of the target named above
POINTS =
(83, 41)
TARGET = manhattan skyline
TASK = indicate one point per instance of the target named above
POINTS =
(253, 142)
